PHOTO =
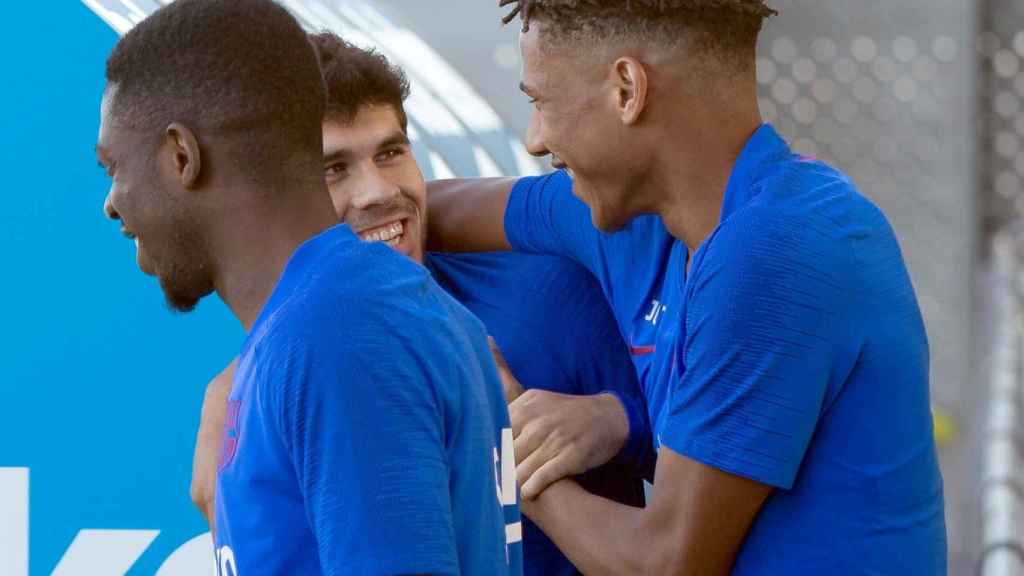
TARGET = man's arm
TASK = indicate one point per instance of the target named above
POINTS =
(467, 215)
(208, 442)
(560, 435)
(694, 525)
(740, 417)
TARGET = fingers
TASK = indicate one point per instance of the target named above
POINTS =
(552, 471)
(528, 465)
(527, 443)
(518, 415)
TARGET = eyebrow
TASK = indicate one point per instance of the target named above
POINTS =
(396, 139)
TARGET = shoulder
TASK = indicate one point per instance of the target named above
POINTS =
(557, 181)
(509, 267)
(802, 210)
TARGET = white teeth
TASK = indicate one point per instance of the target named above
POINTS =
(391, 234)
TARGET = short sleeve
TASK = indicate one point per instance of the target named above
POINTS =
(365, 431)
(763, 322)
(544, 217)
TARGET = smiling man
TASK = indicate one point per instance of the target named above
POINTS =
(778, 337)
(353, 444)
(547, 314)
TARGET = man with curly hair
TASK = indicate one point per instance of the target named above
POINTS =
(772, 320)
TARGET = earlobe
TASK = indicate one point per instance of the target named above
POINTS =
(186, 154)
(631, 83)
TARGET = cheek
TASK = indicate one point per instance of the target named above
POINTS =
(341, 197)
(414, 186)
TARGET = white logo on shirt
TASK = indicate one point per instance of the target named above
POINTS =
(657, 308)
(505, 481)
(226, 562)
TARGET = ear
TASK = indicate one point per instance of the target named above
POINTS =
(629, 78)
(185, 153)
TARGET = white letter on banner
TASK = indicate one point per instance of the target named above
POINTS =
(14, 521)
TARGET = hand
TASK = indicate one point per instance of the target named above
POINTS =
(561, 435)
(513, 389)
(208, 443)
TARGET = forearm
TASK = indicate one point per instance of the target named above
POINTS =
(208, 442)
(599, 536)
(467, 215)
(694, 524)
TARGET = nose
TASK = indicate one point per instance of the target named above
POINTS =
(374, 189)
(534, 144)
(108, 207)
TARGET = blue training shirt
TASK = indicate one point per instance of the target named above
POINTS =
(366, 431)
(555, 330)
(794, 354)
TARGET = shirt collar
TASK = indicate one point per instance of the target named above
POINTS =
(763, 145)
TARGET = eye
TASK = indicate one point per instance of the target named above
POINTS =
(336, 170)
(390, 154)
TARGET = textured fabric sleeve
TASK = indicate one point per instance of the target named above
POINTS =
(544, 217)
(581, 326)
(766, 304)
(638, 451)
(365, 431)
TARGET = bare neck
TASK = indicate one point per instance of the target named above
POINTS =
(690, 177)
(260, 234)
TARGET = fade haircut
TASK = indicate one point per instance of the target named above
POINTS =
(242, 68)
(725, 30)
(357, 77)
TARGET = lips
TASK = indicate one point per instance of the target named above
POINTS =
(558, 164)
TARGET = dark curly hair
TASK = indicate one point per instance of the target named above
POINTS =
(357, 77)
(720, 28)
(244, 68)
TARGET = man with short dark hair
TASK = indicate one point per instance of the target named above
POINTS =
(354, 443)
(547, 314)
(776, 331)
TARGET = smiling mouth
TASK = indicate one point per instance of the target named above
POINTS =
(390, 233)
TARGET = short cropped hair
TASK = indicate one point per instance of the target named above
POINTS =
(356, 77)
(724, 29)
(222, 65)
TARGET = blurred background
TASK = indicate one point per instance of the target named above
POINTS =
(921, 101)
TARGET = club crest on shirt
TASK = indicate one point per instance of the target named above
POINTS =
(231, 432)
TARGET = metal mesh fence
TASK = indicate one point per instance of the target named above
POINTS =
(884, 90)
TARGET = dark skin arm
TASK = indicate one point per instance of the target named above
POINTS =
(467, 215)
(694, 525)
(208, 442)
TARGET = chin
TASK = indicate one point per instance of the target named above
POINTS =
(605, 220)
(183, 291)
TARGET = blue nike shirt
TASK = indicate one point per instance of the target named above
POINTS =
(555, 330)
(366, 431)
(793, 354)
